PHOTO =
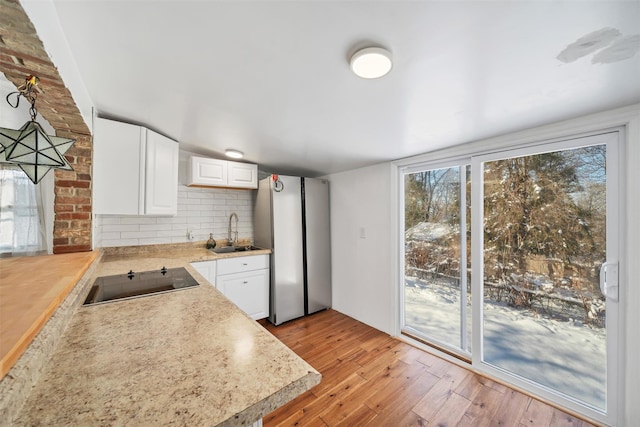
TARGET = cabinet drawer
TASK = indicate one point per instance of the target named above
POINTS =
(240, 264)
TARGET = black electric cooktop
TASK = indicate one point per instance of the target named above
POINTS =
(138, 284)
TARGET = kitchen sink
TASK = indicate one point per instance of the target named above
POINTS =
(229, 249)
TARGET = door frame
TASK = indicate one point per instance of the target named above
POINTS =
(626, 117)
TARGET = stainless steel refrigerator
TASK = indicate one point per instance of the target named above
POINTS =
(291, 217)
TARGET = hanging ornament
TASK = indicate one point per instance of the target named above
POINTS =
(29, 147)
(278, 185)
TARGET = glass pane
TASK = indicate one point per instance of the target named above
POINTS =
(544, 241)
(432, 256)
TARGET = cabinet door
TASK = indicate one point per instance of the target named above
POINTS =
(117, 158)
(209, 172)
(207, 269)
(249, 291)
(242, 175)
(161, 176)
(318, 248)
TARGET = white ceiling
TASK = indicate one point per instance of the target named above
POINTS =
(272, 78)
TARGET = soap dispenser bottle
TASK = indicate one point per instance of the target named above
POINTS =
(211, 243)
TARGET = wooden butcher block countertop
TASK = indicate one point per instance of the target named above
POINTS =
(31, 288)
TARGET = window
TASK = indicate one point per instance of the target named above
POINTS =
(21, 214)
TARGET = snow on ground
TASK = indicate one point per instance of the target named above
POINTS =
(566, 356)
(429, 231)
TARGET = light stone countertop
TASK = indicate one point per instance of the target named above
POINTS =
(188, 357)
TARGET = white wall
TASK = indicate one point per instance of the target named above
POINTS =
(361, 266)
(200, 210)
(363, 275)
(44, 17)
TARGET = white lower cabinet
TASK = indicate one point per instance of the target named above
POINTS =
(244, 280)
(207, 269)
(249, 291)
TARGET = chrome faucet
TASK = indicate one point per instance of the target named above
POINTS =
(231, 241)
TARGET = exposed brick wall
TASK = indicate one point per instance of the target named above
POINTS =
(21, 54)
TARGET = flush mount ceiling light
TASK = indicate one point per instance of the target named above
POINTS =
(29, 147)
(371, 62)
(234, 154)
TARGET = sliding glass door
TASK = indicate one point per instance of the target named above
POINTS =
(539, 308)
(546, 227)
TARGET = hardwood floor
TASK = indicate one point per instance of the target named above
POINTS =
(372, 379)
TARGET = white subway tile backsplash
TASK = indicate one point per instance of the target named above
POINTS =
(189, 201)
(172, 233)
(172, 220)
(108, 219)
(155, 227)
(199, 195)
(120, 227)
(138, 220)
(120, 242)
(137, 234)
(114, 235)
(200, 210)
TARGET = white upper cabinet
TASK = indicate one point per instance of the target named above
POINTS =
(135, 170)
(203, 171)
(117, 154)
(242, 175)
(161, 175)
(209, 172)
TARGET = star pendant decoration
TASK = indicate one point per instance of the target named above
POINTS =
(33, 150)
